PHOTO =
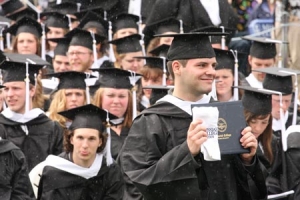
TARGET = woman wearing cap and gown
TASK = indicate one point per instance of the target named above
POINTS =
(70, 93)
(127, 49)
(115, 96)
(83, 171)
(124, 24)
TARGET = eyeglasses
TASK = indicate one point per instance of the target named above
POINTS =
(77, 53)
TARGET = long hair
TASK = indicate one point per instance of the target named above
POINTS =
(97, 101)
(266, 137)
(38, 99)
(58, 104)
(152, 45)
(68, 147)
(38, 45)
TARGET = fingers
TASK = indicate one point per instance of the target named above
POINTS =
(194, 124)
(248, 140)
(246, 130)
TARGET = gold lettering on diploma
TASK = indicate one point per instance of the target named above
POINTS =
(224, 136)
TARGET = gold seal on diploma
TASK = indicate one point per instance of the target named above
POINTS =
(222, 125)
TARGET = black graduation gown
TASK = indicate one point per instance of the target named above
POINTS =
(156, 158)
(287, 124)
(192, 13)
(14, 180)
(45, 137)
(117, 141)
(61, 185)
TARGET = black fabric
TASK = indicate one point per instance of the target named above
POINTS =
(262, 48)
(45, 137)
(11, 6)
(128, 44)
(156, 158)
(278, 83)
(27, 12)
(55, 19)
(163, 26)
(154, 62)
(124, 20)
(60, 185)
(91, 19)
(225, 59)
(70, 80)
(161, 50)
(14, 180)
(117, 141)
(62, 46)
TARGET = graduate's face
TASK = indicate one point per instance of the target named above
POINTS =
(75, 98)
(115, 101)
(197, 76)
(80, 58)
(125, 32)
(131, 63)
(61, 64)
(257, 63)
(286, 102)
(26, 43)
(85, 143)
(258, 125)
(14, 95)
(54, 32)
(151, 78)
(225, 81)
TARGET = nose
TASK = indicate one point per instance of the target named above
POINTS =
(115, 100)
(85, 144)
(285, 106)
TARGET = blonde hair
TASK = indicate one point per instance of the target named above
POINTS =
(38, 45)
(38, 99)
(97, 101)
(152, 45)
(57, 105)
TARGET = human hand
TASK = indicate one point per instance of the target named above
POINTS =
(196, 136)
(248, 140)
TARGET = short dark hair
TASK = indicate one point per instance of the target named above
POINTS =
(170, 69)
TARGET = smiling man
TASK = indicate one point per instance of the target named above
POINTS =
(161, 155)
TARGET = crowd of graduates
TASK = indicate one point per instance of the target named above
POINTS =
(97, 97)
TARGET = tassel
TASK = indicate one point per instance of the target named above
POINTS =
(236, 75)
(105, 15)
(164, 77)
(27, 82)
(78, 6)
(111, 50)
(70, 22)
(43, 43)
(87, 91)
(8, 45)
(94, 48)
(1, 39)
(181, 26)
(223, 40)
(109, 159)
(133, 79)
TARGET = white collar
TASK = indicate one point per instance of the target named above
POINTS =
(22, 118)
(145, 101)
(184, 105)
(276, 124)
(253, 82)
(68, 166)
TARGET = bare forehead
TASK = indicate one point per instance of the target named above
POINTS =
(14, 84)
(78, 48)
(203, 60)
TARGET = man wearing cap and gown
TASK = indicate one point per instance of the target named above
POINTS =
(84, 170)
(28, 128)
(262, 55)
(161, 154)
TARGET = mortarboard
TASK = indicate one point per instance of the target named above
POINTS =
(9, 6)
(226, 59)
(158, 92)
(27, 12)
(190, 45)
(128, 44)
(262, 48)
(153, 62)
(23, 58)
(124, 20)
(55, 19)
(16, 71)
(62, 46)
(278, 79)
(83, 38)
(161, 50)
(70, 80)
(65, 7)
(163, 26)
(115, 78)
(256, 100)
(93, 20)
(26, 25)
(217, 39)
(87, 116)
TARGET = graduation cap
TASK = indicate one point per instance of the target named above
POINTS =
(163, 26)
(62, 46)
(158, 92)
(128, 44)
(9, 6)
(153, 62)
(27, 12)
(26, 25)
(161, 50)
(70, 80)
(190, 45)
(16, 71)
(262, 48)
(65, 8)
(115, 78)
(124, 20)
(256, 100)
(83, 38)
(55, 19)
(23, 58)
(93, 20)
(228, 33)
